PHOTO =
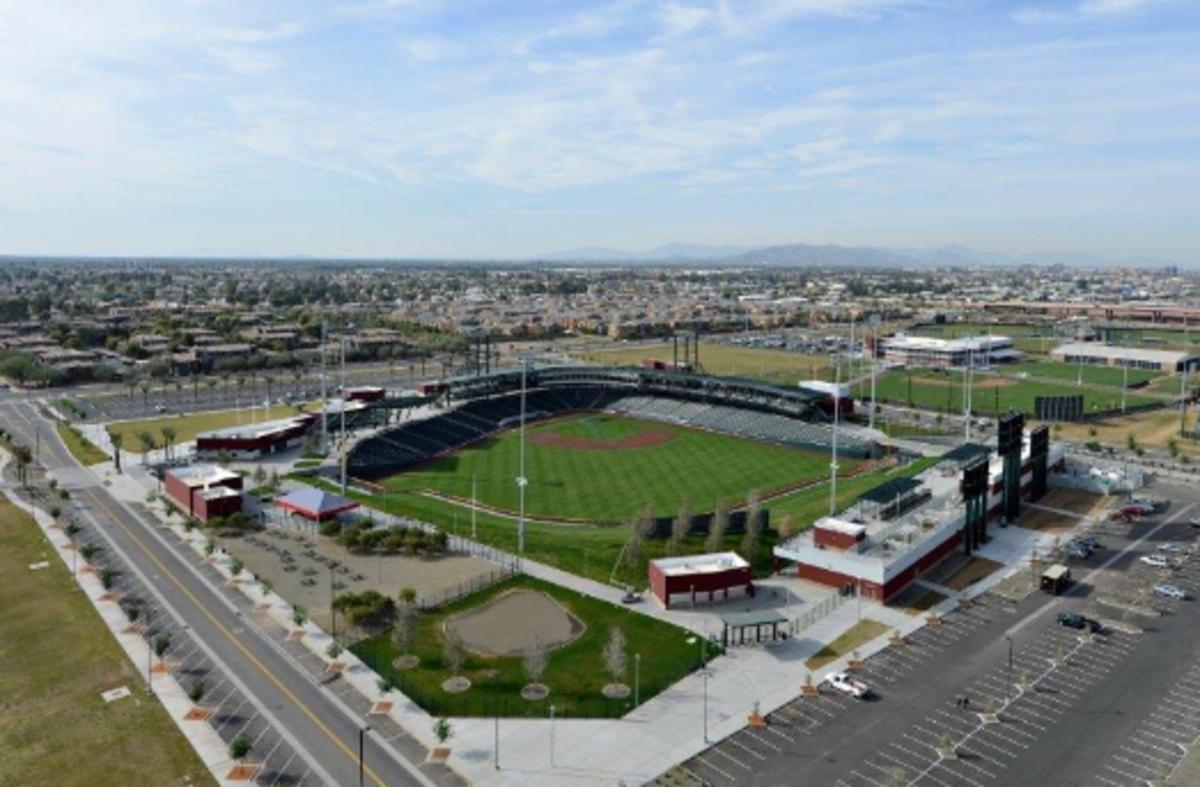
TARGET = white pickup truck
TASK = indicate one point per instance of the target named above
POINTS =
(846, 683)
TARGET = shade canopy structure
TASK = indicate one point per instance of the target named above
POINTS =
(316, 504)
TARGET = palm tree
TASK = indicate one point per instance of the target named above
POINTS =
(268, 380)
(179, 395)
(147, 441)
(145, 388)
(116, 438)
(23, 457)
(168, 435)
(211, 383)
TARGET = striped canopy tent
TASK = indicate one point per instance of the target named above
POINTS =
(316, 504)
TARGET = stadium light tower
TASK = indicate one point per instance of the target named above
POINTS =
(1124, 374)
(967, 390)
(833, 463)
(522, 481)
(324, 401)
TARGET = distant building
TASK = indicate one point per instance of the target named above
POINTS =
(928, 351)
(1092, 353)
(251, 441)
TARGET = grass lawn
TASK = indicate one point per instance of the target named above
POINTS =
(855, 637)
(80, 447)
(58, 656)
(613, 485)
(575, 672)
(1153, 429)
(1092, 374)
(776, 366)
(188, 426)
(939, 390)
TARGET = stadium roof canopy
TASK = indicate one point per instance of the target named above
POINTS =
(890, 490)
(966, 452)
(315, 503)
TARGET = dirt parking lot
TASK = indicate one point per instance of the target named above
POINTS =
(298, 567)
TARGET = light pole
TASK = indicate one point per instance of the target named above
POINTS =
(551, 736)
(833, 464)
(362, 733)
(637, 679)
(704, 678)
(1010, 661)
(522, 481)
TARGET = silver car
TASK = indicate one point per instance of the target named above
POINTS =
(1170, 591)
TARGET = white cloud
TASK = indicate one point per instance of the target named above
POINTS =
(679, 20)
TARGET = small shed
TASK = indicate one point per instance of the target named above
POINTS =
(316, 504)
(743, 628)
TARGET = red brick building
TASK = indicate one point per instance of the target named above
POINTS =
(204, 491)
(696, 576)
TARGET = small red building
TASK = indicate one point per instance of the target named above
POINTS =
(365, 393)
(690, 575)
(254, 440)
(204, 491)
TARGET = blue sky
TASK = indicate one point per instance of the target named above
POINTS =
(502, 129)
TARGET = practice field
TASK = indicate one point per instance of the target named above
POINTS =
(934, 389)
(1093, 375)
(603, 468)
(58, 656)
(188, 426)
(776, 366)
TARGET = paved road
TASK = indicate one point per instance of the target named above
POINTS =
(319, 728)
(1116, 709)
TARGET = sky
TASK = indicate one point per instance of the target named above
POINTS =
(483, 129)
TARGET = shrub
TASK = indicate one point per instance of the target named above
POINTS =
(106, 578)
(161, 643)
(330, 528)
(368, 607)
(239, 748)
(196, 691)
(89, 551)
(334, 650)
(133, 612)
(298, 616)
(235, 567)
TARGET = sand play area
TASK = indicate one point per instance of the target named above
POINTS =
(515, 621)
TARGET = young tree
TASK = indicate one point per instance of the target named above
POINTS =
(453, 653)
(239, 748)
(753, 535)
(717, 527)
(680, 527)
(161, 643)
(442, 731)
(614, 653)
(534, 662)
(168, 436)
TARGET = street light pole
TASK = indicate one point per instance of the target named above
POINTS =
(522, 481)
(551, 736)
(362, 732)
(1010, 662)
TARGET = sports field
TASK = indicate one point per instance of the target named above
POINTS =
(604, 468)
(776, 366)
(935, 389)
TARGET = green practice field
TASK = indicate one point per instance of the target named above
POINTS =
(776, 366)
(939, 390)
(606, 469)
(1092, 374)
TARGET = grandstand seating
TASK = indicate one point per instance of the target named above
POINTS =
(418, 441)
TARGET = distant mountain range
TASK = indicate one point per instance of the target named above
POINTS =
(834, 256)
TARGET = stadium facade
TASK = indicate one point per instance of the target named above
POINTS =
(929, 351)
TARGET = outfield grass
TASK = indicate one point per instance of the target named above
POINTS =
(939, 390)
(58, 656)
(188, 426)
(776, 366)
(575, 672)
(80, 447)
(613, 486)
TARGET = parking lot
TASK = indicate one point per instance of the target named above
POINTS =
(1120, 707)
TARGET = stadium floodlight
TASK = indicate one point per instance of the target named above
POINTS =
(324, 401)
(833, 464)
(522, 481)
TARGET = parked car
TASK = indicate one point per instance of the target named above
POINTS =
(848, 684)
(1154, 504)
(1091, 542)
(1074, 620)
(1195, 521)
(1155, 561)
(1170, 591)
(1170, 546)
(1078, 551)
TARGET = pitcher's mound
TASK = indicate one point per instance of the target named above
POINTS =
(514, 622)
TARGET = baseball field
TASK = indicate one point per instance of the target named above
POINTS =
(606, 469)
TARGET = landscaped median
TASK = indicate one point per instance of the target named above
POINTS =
(850, 640)
(81, 448)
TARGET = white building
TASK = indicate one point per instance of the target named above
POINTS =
(929, 351)
(1169, 361)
